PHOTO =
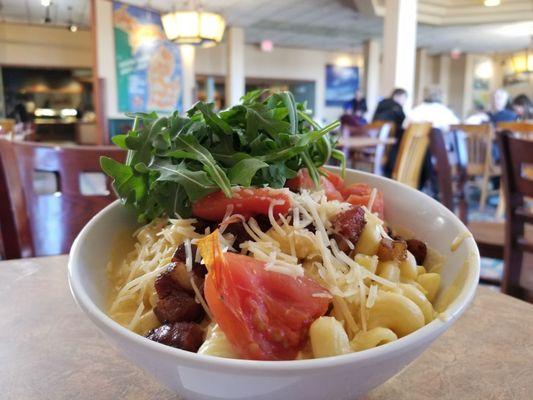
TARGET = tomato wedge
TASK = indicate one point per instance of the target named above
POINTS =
(337, 181)
(245, 201)
(265, 315)
(304, 181)
(359, 194)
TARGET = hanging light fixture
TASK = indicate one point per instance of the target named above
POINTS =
(523, 62)
(194, 26)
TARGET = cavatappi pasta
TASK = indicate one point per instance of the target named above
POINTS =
(373, 301)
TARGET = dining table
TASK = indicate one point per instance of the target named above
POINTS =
(50, 350)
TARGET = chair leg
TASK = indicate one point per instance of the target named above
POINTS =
(500, 211)
(484, 192)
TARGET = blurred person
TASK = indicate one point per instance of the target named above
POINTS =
(21, 113)
(479, 116)
(432, 110)
(357, 105)
(523, 107)
(500, 108)
(391, 109)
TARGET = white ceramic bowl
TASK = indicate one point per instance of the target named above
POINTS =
(343, 377)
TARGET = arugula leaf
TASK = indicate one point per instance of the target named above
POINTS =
(195, 183)
(258, 120)
(288, 100)
(196, 151)
(211, 118)
(127, 185)
(172, 161)
(243, 172)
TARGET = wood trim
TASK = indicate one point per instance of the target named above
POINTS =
(98, 93)
(33, 66)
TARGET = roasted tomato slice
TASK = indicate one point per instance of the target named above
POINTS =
(265, 315)
(359, 194)
(304, 181)
(337, 181)
(245, 201)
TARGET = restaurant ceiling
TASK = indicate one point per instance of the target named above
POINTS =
(323, 24)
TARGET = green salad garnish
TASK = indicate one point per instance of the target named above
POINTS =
(174, 160)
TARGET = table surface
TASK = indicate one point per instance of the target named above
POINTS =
(50, 350)
(358, 142)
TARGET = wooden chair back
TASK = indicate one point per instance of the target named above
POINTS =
(443, 168)
(36, 222)
(451, 176)
(374, 128)
(522, 128)
(517, 156)
(411, 154)
(474, 144)
(385, 129)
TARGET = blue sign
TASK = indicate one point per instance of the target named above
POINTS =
(341, 84)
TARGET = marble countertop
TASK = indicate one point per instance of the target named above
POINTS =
(50, 350)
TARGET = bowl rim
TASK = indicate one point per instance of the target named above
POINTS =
(438, 325)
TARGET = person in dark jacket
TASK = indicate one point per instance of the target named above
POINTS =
(391, 109)
(357, 105)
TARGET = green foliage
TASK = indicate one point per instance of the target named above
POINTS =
(173, 161)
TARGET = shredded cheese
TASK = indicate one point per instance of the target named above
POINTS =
(372, 295)
(459, 240)
(271, 218)
(372, 198)
(200, 299)
(188, 254)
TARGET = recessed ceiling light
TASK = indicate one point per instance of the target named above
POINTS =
(491, 3)
(46, 3)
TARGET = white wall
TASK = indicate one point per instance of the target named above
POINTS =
(44, 46)
(282, 63)
(105, 56)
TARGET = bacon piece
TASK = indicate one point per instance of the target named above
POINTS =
(178, 306)
(390, 250)
(182, 335)
(350, 223)
(176, 294)
(180, 256)
(418, 249)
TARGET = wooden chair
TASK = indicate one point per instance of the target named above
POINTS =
(523, 128)
(451, 177)
(411, 154)
(35, 223)
(374, 156)
(517, 154)
(374, 128)
(474, 144)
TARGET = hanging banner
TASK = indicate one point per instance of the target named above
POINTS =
(149, 69)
